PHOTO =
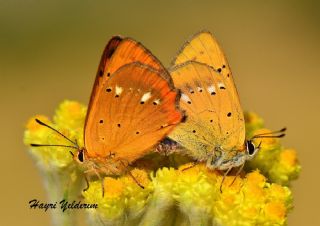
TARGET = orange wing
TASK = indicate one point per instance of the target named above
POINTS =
(137, 108)
(209, 97)
(105, 59)
(204, 48)
(213, 118)
(118, 52)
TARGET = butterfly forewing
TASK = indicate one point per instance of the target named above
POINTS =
(118, 52)
(136, 110)
(209, 96)
(105, 59)
(204, 48)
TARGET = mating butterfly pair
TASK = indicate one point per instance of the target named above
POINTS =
(134, 105)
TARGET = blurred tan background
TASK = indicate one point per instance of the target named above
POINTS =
(49, 51)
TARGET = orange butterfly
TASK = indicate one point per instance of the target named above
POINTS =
(133, 106)
(214, 130)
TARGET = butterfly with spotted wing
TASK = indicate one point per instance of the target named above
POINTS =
(214, 131)
(133, 106)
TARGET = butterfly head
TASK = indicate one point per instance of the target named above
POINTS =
(80, 153)
(223, 160)
(252, 149)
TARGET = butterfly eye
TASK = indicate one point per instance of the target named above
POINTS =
(81, 156)
(251, 149)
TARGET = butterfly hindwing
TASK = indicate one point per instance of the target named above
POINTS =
(118, 52)
(137, 109)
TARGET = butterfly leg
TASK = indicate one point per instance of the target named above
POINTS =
(102, 188)
(87, 182)
(135, 179)
(193, 164)
(131, 175)
(237, 174)
(224, 177)
(98, 175)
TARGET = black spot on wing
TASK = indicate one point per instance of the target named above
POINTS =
(100, 73)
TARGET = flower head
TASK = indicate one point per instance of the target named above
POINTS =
(68, 120)
(171, 190)
(277, 163)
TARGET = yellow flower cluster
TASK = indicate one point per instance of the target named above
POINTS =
(279, 164)
(69, 120)
(178, 195)
(189, 197)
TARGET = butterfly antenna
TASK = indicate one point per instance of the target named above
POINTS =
(274, 134)
(61, 134)
(53, 145)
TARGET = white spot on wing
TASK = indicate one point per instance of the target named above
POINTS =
(185, 98)
(221, 85)
(157, 101)
(118, 90)
(145, 97)
(211, 89)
